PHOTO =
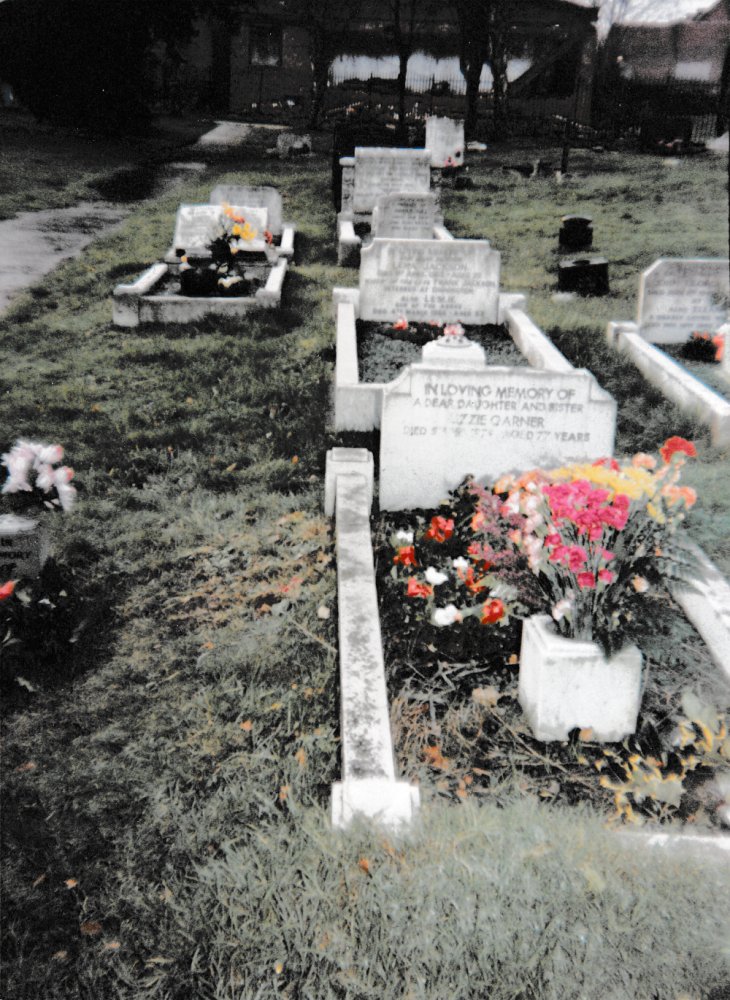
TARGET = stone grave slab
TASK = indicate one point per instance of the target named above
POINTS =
(23, 547)
(677, 297)
(406, 216)
(255, 196)
(380, 171)
(445, 141)
(195, 226)
(430, 280)
(442, 422)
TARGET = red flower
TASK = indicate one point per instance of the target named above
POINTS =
(268, 236)
(610, 462)
(441, 529)
(401, 323)
(492, 611)
(416, 589)
(677, 445)
(472, 584)
(586, 581)
(406, 556)
(6, 590)
(606, 575)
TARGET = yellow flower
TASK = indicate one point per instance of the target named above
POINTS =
(655, 513)
(248, 232)
(237, 230)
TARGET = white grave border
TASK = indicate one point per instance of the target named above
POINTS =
(370, 788)
(358, 404)
(673, 380)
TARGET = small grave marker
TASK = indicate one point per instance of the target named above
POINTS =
(430, 280)
(23, 547)
(405, 216)
(587, 276)
(576, 232)
(677, 297)
(445, 141)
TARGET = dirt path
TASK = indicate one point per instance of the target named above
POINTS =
(33, 243)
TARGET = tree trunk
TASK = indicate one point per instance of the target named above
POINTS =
(402, 73)
(472, 74)
(498, 64)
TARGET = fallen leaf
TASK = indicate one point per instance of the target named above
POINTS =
(295, 459)
(513, 660)
(28, 766)
(364, 865)
(71, 883)
(246, 726)
(60, 956)
(90, 928)
(208, 645)
(39, 880)
(231, 467)
(96, 408)
(586, 734)
(279, 968)
(283, 793)
(112, 946)
(435, 758)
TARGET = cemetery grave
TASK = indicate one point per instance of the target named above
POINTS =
(678, 298)
(214, 691)
(386, 192)
(223, 262)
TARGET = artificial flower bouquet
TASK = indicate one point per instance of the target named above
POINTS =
(702, 346)
(220, 273)
(35, 481)
(583, 543)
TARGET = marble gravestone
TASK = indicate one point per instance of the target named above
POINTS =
(679, 297)
(255, 196)
(380, 171)
(406, 216)
(442, 421)
(445, 141)
(430, 280)
(196, 226)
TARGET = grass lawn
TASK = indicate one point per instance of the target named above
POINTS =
(166, 785)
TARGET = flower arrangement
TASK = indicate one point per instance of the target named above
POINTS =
(584, 543)
(219, 274)
(35, 481)
(597, 537)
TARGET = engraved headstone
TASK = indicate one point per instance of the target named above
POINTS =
(23, 547)
(443, 281)
(197, 225)
(445, 141)
(441, 422)
(679, 297)
(258, 196)
(405, 216)
(380, 171)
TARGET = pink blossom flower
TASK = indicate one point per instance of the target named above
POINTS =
(606, 575)
(586, 581)
(454, 330)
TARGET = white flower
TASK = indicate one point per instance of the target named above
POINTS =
(454, 330)
(446, 616)
(461, 565)
(404, 537)
(561, 609)
(434, 577)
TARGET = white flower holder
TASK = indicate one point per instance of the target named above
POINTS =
(569, 683)
(24, 547)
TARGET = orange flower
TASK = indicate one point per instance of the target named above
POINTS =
(440, 530)
(643, 461)
(416, 589)
(676, 493)
(677, 446)
(6, 590)
(401, 323)
(719, 341)
(406, 556)
(492, 611)
(268, 236)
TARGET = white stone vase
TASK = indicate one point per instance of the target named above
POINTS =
(24, 546)
(569, 683)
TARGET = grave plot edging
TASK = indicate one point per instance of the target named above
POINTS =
(673, 380)
(369, 786)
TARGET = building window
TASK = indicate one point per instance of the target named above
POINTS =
(265, 47)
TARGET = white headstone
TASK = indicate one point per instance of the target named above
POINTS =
(679, 297)
(379, 171)
(196, 225)
(405, 216)
(444, 281)
(23, 547)
(445, 141)
(255, 196)
(440, 424)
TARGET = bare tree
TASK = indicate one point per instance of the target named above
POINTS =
(409, 18)
(483, 30)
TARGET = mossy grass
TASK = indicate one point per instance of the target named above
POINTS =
(165, 795)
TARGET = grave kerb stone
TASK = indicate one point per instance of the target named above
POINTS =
(680, 296)
(443, 281)
(379, 171)
(439, 425)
